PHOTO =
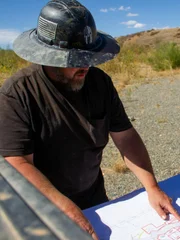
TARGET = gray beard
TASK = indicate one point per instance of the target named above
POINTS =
(69, 84)
(76, 86)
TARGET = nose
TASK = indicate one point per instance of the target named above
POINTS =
(85, 68)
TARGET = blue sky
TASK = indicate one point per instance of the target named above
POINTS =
(116, 17)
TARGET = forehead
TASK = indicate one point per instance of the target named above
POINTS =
(70, 70)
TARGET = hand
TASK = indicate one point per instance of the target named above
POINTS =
(78, 217)
(161, 203)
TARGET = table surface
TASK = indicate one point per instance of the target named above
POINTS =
(130, 217)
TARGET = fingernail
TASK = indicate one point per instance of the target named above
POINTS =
(163, 217)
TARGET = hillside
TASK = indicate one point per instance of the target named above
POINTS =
(152, 37)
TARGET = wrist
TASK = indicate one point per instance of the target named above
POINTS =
(152, 188)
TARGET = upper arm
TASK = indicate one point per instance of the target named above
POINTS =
(121, 138)
(119, 120)
(126, 140)
(15, 128)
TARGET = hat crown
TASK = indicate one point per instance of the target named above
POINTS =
(66, 36)
(67, 24)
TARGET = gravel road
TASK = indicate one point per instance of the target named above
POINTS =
(154, 109)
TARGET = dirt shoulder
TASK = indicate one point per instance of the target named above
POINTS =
(154, 109)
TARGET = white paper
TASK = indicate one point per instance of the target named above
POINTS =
(133, 219)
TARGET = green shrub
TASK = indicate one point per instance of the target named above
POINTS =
(9, 61)
(9, 64)
(165, 56)
(126, 61)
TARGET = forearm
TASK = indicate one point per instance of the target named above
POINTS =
(135, 156)
(139, 163)
(33, 175)
(137, 159)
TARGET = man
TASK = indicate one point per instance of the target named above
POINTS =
(56, 115)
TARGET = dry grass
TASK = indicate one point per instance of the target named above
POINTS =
(3, 77)
(129, 67)
(120, 167)
(152, 37)
(9, 64)
(117, 167)
(141, 57)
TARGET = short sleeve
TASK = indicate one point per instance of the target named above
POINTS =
(15, 130)
(119, 120)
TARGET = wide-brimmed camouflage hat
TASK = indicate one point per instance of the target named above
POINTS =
(66, 36)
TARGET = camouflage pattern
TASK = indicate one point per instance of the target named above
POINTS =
(66, 36)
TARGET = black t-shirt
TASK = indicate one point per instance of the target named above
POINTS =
(66, 131)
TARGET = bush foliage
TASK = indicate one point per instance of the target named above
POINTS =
(133, 62)
(165, 56)
(9, 63)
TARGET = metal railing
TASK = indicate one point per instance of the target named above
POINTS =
(27, 214)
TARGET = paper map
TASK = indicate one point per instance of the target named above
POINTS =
(133, 219)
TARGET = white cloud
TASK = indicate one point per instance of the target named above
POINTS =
(7, 36)
(132, 15)
(156, 28)
(166, 27)
(122, 8)
(112, 9)
(128, 23)
(127, 9)
(104, 10)
(133, 24)
(139, 25)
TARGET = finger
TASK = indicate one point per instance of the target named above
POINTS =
(161, 213)
(166, 211)
(92, 233)
(173, 212)
(94, 236)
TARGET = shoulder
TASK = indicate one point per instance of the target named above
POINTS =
(99, 76)
(19, 80)
(94, 71)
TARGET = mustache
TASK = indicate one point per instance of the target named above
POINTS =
(81, 71)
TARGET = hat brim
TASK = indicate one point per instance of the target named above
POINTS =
(28, 47)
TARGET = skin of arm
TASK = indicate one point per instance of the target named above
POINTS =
(24, 165)
(137, 159)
